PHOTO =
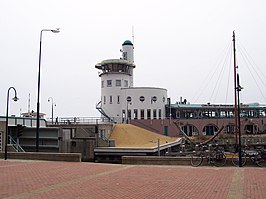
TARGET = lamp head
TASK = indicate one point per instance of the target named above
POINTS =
(15, 98)
(57, 30)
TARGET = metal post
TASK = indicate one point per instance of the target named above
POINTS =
(7, 102)
(38, 92)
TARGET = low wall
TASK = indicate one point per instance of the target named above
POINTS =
(155, 160)
(67, 157)
(166, 160)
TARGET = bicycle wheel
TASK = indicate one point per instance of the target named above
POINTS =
(235, 159)
(196, 160)
(259, 161)
(219, 159)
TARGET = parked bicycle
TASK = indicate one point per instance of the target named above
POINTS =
(213, 154)
(256, 156)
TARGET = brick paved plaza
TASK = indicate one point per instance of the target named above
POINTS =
(44, 179)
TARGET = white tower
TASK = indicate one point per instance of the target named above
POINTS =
(115, 74)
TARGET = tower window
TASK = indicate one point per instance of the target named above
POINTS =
(118, 83)
(109, 83)
(125, 55)
(125, 83)
(118, 99)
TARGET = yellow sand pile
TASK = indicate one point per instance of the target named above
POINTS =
(127, 135)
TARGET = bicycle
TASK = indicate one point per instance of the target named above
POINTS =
(256, 156)
(214, 156)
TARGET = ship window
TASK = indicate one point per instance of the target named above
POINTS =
(109, 83)
(118, 83)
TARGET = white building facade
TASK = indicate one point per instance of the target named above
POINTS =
(120, 100)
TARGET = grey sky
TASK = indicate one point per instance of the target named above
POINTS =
(177, 43)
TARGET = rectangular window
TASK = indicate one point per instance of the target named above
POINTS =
(125, 83)
(125, 55)
(109, 83)
(118, 83)
(123, 116)
(102, 84)
(129, 114)
(154, 114)
(160, 114)
(118, 99)
(148, 113)
(111, 99)
(135, 114)
(104, 99)
(142, 114)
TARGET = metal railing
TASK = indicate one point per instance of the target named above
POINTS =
(15, 145)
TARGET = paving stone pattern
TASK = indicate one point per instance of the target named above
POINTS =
(44, 179)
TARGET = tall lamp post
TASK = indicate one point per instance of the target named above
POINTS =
(39, 84)
(50, 99)
(7, 102)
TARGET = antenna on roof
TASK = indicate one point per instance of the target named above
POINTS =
(29, 104)
(133, 35)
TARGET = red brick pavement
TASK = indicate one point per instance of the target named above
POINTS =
(43, 179)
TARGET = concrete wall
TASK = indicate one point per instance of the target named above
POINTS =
(68, 157)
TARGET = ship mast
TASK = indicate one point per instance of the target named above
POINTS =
(235, 87)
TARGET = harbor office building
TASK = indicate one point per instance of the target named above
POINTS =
(151, 108)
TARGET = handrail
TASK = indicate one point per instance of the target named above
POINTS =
(16, 146)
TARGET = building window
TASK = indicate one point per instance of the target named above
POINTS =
(153, 99)
(125, 55)
(109, 83)
(135, 114)
(129, 114)
(154, 114)
(160, 114)
(142, 98)
(118, 99)
(104, 99)
(111, 99)
(142, 114)
(102, 84)
(148, 113)
(118, 83)
(125, 83)
(123, 116)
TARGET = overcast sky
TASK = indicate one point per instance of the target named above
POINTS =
(178, 43)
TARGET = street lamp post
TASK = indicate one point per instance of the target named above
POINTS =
(7, 102)
(50, 99)
(39, 84)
